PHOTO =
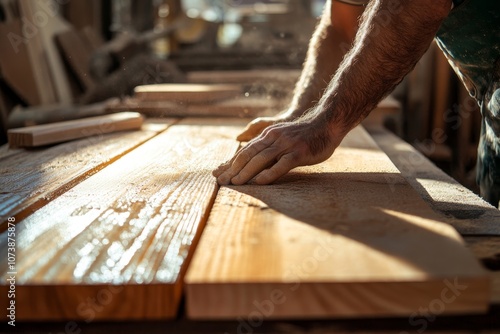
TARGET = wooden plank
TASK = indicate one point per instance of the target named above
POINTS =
(46, 32)
(128, 229)
(474, 218)
(31, 179)
(84, 14)
(240, 107)
(245, 76)
(93, 38)
(187, 93)
(458, 206)
(41, 135)
(22, 117)
(487, 250)
(249, 107)
(36, 53)
(388, 108)
(346, 238)
(495, 291)
(15, 63)
(441, 94)
(77, 53)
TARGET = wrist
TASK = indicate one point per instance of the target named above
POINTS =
(292, 113)
(330, 118)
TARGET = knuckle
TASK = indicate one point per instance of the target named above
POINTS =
(265, 177)
(290, 157)
(244, 156)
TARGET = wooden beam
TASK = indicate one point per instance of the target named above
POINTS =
(40, 135)
(22, 117)
(187, 93)
(458, 206)
(241, 107)
(253, 76)
(46, 33)
(125, 234)
(346, 238)
(16, 67)
(36, 53)
(77, 52)
(30, 179)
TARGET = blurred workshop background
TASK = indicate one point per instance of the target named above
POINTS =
(67, 59)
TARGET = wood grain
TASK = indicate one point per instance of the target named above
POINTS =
(15, 63)
(77, 52)
(46, 32)
(244, 76)
(40, 135)
(31, 179)
(187, 93)
(346, 238)
(457, 205)
(129, 227)
(38, 60)
(241, 107)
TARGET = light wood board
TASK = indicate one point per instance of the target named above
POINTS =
(130, 228)
(47, 29)
(240, 107)
(77, 52)
(245, 76)
(457, 205)
(40, 135)
(346, 238)
(16, 67)
(31, 179)
(37, 56)
(187, 93)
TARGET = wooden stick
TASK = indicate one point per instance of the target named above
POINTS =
(40, 135)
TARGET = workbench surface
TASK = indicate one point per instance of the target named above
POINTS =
(42, 187)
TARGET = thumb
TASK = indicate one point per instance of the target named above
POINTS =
(254, 129)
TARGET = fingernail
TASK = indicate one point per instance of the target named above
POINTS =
(223, 180)
(236, 180)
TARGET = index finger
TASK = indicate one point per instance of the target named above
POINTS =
(242, 158)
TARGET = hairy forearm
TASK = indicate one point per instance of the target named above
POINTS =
(390, 41)
(331, 40)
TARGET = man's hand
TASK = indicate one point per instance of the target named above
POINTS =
(279, 149)
(255, 127)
